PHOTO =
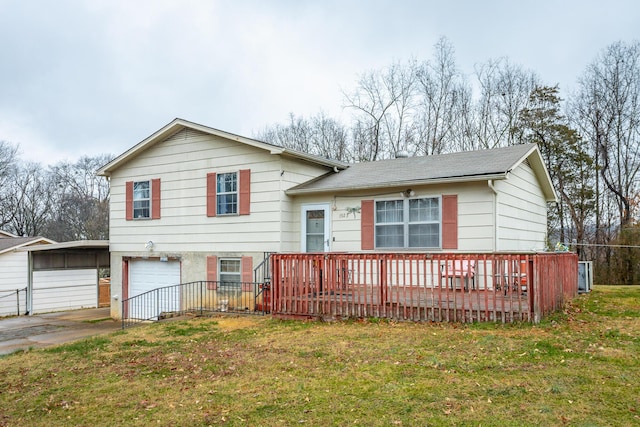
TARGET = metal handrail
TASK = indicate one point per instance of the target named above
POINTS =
(262, 274)
(198, 298)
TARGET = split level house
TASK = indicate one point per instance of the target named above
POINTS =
(192, 203)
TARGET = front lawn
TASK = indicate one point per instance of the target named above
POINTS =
(580, 367)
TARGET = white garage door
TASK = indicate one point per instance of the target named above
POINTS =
(146, 278)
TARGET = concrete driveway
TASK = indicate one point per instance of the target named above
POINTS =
(25, 332)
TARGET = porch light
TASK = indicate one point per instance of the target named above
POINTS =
(408, 193)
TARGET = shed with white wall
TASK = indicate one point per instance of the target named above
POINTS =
(65, 276)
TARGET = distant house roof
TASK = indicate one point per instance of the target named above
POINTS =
(10, 243)
(76, 244)
(179, 124)
(5, 234)
(466, 166)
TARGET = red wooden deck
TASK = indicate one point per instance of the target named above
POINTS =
(422, 287)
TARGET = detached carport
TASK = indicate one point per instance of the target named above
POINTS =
(65, 276)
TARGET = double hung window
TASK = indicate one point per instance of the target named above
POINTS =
(230, 272)
(408, 223)
(141, 200)
(227, 193)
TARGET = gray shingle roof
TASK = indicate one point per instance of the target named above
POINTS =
(415, 170)
(12, 242)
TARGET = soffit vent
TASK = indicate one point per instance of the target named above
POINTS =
(185, 133)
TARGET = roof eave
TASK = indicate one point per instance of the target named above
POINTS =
(21, 247)
(435, 181)
(95, 244)
(316, 159)
(537, 164)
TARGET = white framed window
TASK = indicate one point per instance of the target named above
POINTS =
(142, 200)
(408, 223)
(227, 193)
(230, 272)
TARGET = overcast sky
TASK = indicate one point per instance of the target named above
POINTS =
(89, 77)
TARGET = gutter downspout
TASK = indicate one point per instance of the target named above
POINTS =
(495, 214)
(280, 204)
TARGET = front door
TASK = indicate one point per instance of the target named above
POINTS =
(315, 228)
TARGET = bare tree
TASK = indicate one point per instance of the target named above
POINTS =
(504, 91)
(8, 158)
(80, 199)
(295, 135)
(442, 105)
(320, 135)
(382, 102)
(607, 111)
(29, 197)
(330, 138)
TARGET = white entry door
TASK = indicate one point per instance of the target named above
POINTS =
(316, 221)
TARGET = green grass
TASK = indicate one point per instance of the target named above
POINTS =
(578, 367)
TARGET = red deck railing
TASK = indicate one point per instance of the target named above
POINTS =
(422, 287)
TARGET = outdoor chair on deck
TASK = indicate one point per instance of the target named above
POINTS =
(459, 269)
(511, 276)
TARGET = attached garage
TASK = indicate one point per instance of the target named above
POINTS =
(65, 276)
(146, 276)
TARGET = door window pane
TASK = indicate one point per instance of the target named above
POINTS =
(315, 230)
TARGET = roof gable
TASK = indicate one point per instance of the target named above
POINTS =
(182, 128)
(11, 243)
(454, 167)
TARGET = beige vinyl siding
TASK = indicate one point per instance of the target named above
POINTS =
(13, 266)
(295, 173)
(522, 212)
(475, 215)
(476, 232)
(182, 164)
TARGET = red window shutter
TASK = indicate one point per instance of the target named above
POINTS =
(155, 198)
(211, 194)
(450, 221)
(245, 191)
(367, 225)
(129, 200)
(247, 273)
(212, 272)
